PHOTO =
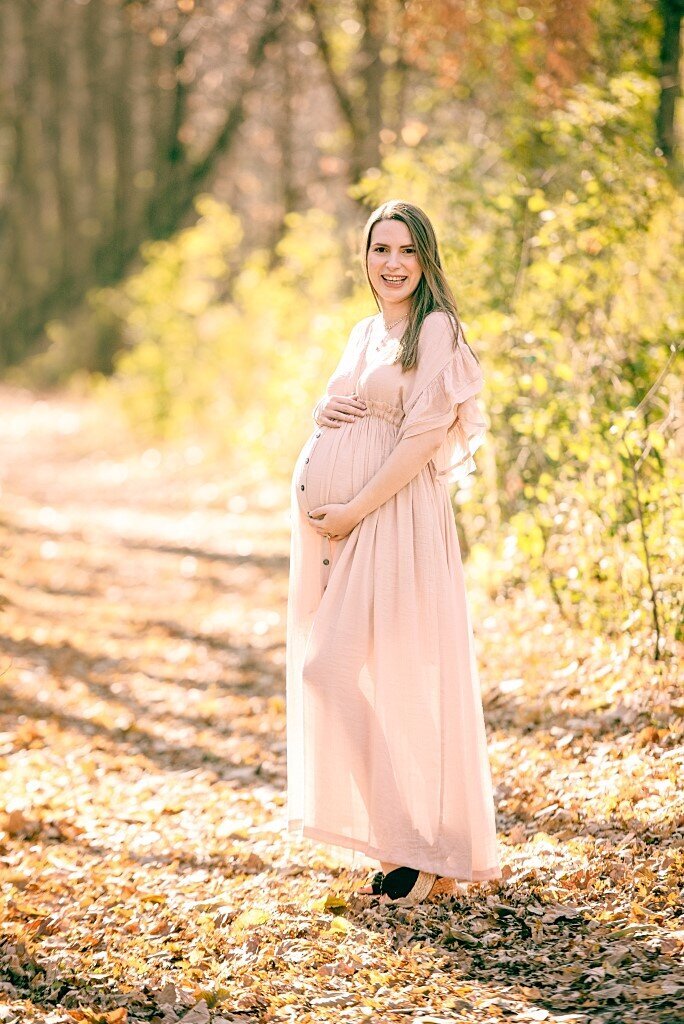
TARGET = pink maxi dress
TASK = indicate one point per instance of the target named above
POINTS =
(386, 743)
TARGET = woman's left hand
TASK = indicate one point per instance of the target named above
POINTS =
(335, 520)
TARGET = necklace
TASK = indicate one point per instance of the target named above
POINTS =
(378, 346)
(389, 327)
(385, 337)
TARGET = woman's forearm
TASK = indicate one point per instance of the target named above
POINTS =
(406, 461)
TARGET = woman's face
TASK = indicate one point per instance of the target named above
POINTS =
(393, 267)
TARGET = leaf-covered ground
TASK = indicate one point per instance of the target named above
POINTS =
(145, 871)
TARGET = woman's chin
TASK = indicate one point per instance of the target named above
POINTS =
(392, 295)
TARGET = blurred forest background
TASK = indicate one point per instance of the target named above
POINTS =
(182, 189)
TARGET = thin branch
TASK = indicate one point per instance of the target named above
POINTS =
(203, 168)
(644, 545)
(523, 258)
(634, 466)
(656, 385)
(343, 98)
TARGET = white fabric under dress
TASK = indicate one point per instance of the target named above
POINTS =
(386, 743)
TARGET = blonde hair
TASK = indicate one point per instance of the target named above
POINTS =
(433, 291)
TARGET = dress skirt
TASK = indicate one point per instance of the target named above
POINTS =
(386, 742)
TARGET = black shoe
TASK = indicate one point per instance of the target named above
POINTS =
(413, 884)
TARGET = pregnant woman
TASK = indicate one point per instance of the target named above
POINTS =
(386, 744)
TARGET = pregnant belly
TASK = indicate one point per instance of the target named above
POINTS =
(337, 462)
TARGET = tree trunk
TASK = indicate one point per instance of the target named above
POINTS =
(95, 163)
(372, 74)
(671, 12)
(361, 107)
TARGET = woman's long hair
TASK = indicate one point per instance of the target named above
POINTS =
(433, 291)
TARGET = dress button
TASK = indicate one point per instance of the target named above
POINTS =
(302, 487)
(306, 460)
(318, 434)
(326, 561)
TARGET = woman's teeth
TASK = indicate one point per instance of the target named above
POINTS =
(393, 280)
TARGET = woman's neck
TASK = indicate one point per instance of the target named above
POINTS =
(391, 312)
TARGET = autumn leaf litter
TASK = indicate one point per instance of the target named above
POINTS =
(145, 871)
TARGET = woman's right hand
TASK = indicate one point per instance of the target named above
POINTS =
(339, 409)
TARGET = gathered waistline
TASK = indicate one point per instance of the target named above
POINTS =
(384, 411)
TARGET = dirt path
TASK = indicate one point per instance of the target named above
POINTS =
(145, 872)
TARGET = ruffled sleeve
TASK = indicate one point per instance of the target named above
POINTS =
(443, 397)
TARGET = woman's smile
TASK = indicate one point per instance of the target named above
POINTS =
(393, 267)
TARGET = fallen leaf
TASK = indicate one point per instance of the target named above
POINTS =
(96, 1016)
